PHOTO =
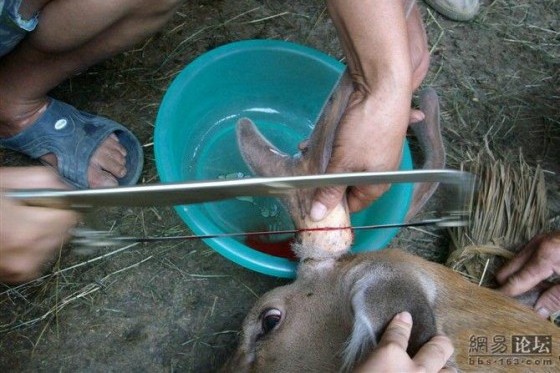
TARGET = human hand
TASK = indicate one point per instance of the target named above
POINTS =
(536, 262)
(30, 236)
(367, 140)
(390, 355)
(387, 53)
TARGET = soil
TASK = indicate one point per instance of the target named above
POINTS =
(179, 306)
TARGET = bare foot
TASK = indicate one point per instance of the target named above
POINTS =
(107, 162)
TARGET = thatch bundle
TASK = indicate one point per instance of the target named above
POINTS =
(509, 208)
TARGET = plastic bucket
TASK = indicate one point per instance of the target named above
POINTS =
(282, 87)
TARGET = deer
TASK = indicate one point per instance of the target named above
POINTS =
(337, 308)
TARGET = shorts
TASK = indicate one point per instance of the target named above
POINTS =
(13, 27)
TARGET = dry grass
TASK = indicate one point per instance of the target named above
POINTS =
(498, 79)
(512, 200)
(510, 207)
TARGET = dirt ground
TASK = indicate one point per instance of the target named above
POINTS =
(179, 306)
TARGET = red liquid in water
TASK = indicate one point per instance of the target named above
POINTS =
(263, 244)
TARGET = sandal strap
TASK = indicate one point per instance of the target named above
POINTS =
(73, 136)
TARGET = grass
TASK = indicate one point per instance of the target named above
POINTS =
(497, 78)
(509, 209)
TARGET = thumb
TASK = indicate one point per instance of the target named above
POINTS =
(325, 199)
(416, 116)
(548, 302)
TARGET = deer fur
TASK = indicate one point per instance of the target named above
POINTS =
(333, 314)
(330, 319)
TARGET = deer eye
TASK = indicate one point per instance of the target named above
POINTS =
(270, 318)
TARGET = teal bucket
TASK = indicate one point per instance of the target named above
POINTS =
(281, 86)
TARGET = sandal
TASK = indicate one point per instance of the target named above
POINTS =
(73, 136)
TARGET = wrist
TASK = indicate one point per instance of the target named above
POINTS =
(389, 81)
(383, 85)
(390, 106)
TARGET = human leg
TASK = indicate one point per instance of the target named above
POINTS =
(66, 43)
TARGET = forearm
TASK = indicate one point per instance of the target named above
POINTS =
(375, 40)
(386, 50)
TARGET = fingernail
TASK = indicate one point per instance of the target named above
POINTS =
(318, 211)
(543, 312)
(404, 317)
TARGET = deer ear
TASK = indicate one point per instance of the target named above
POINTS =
(322, 137)
(376, 299)
(428, 133)
(259, 154)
